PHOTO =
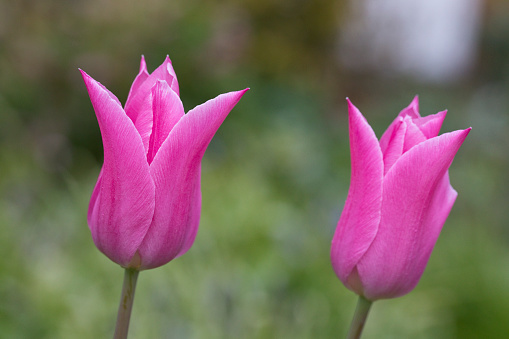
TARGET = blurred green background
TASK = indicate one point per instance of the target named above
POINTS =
(276, 175)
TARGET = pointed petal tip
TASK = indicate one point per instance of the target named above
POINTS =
(143, 64)
(351, 107)
(442, 115)
(464, 132)
(355, 116)
(349, 103)
(241, 93)
(87, 78)
(415, 105)
(460, 135)
(412, 109)
(415, 102)
(89, 81)
(83, 73)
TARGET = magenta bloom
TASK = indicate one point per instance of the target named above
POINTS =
(145, 208)
(399, 199)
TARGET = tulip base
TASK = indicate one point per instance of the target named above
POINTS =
(126, 303)
(359, 318)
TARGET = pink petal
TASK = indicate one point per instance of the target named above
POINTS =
(359, 220)
(413, 191)
(143, 122)
(95, 194)
(174, 84)
(394, 148)
(194, 217)
(413, 135)
(411, 110)
(167, 110)
(110, 95)
(138, 81)
(175, 170)
(122, 203)
(139, 106)
(143, 65)
(433, 219)
(430, 125)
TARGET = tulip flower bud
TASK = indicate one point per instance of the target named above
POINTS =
(145, 207)
(398, 201)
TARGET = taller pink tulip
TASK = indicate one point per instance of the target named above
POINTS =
(399, 199)
(145, 208)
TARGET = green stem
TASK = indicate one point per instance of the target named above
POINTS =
(359, 318)
(126, 303)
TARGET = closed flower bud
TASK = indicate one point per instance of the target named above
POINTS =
(145, 207)
(398, 201)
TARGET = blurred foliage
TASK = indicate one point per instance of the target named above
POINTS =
(274, 180)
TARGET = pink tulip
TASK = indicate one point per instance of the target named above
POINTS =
(145, 208)
(399, 199)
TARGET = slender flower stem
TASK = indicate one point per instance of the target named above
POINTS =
(359, 318)
(126, 303)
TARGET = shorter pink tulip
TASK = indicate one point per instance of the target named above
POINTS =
(145, 207)
(399, 199)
